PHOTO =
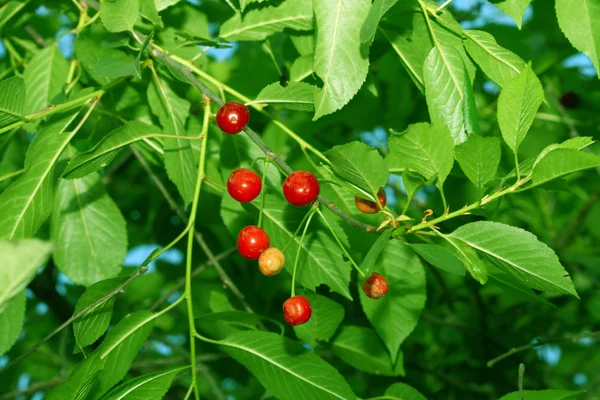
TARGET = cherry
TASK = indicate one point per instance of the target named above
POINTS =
(252, 241)
(271, 261)
(232, 117)
(570, 99)
(244, 185)
(370, 207)
(296, 310)
(375, 286)
(301, 188)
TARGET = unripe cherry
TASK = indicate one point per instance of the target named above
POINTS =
(271, 261)
(375, 286)
(370, 207)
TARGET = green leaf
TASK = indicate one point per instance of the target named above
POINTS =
(514, 9)
(140, 54)
(302, 68)
(147, 387)
(499, 64)
(440, 257)
(285, 368)
(375, 250)
(339, 59)
(444, 77)
(362, 349)
(27, 202)
(149, 11)
(579, 23)
(89, 327)
(401, 391)
(88, 231)
(544, 395)
(326, 316)
(108, 148)
(119, 15)
(295, 96)
(118, 64)
(561, 162)
(44, 78)
(395, 315)
(9, 9)
(81, 382)
(233, 317)
(479, 158)
(260, 23)
(469, 107)
(12, 315)
(244, 3)
(412, 182)
(426, 149)
(519, 253)
(377, 11)
(12, 100)
(475, 265)
(121, 346)
(172, 112)
(517, 105)
(163, 4)
(510, 283)
(361, 165)
(20, 261)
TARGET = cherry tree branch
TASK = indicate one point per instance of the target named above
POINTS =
(68, 322)
(159, 54)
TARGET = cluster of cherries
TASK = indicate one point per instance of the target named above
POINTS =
(300, 188)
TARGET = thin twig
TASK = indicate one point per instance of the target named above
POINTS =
(521, 376)
(181, 283)
(32, 388)
(540, 342)
(197, 235)
(68, 322)
(256, 139)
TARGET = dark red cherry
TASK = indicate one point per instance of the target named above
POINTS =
(297, 310)
(375, 286)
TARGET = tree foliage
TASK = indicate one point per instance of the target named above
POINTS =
(119, 275)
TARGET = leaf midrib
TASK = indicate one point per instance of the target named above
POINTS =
(490, 53)
(265, 23)
(270, 360)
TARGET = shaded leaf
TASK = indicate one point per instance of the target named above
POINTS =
(260, 23)
(89, 327)
(326, 316)
(12, 315)
(118, 64)
(295, 96)
(119, 15)
(362, 349)
(81, 381)
(12, 100)
(27, 202)
(401, 391)
(517, 105)
(479, 158)
(375, 250)
(544, 395)
(520, 254)
(146, 387)
(395, 315)
(377, 11)
(440, 257)
(44, 78)
(285, 368)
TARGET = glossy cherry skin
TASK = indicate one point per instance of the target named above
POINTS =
(570, 99)
(301, 188)
(297, 310)
(244, 185)
(370, 207)
(375, 286)
(232, 117)
(271, 261)
(252, 241)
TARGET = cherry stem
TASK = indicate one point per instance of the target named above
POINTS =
(339, 242)
(310, 214)
(266, 162)
(297, 230)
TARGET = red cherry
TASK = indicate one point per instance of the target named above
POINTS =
(370, 207)
(296, 310)
(301, 188)
(375, 286)
(570, 99)
(232, 117)
(244, 185)
(252, 241)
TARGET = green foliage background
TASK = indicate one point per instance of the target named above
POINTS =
(490, 241)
